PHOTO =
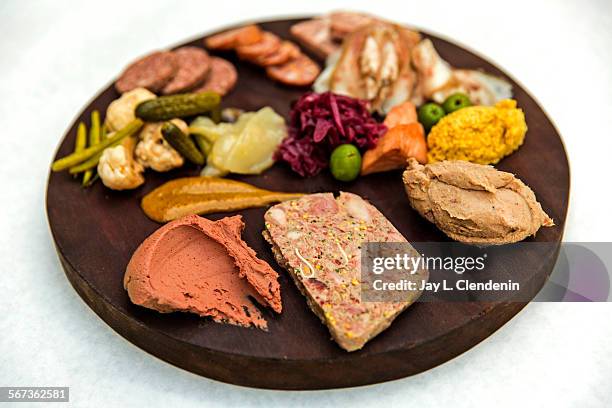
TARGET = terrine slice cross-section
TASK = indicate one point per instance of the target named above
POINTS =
(318, 239)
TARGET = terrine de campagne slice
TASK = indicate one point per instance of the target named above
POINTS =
(318, 239)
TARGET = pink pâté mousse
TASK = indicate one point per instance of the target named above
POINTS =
(204, 267)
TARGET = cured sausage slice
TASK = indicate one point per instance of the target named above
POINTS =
(228, 40)
(221, 78)
(270, 43)
(152, 72)
(300, 71)
(344, 23)
(315, 35)
(285, 52)
(193, 66)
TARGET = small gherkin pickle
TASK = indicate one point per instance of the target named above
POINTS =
(177, 106)
(94, 139)
(182, 143)
(95, 178)
(88, 164)
(80, 142)
(78, 157)
(203, 143)
(215, 114)
(103, 131)
(81, 138)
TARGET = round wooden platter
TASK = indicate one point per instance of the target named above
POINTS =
(96, 231)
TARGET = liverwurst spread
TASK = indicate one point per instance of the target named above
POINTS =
(204, 267)
(474, 203)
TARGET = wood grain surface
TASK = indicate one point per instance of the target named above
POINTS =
(96, 230)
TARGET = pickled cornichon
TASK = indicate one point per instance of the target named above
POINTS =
(94, 139)
(79, 157)
(103, 132)
(204, 144)
(88, 164)
(177, 106)
(80, 142)
(182, 143)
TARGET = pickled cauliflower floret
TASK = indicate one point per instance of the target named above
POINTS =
(117, 168)
(153, 151)
(120, 112)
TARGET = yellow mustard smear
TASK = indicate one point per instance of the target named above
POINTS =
(478, 134)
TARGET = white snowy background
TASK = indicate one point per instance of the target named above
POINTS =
(54, 55)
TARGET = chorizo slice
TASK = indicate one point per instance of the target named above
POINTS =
(300, 71)
(269, 44)
(152, 72)
(344, 23)
(227, 40)
(221, 78)
(315, 36)
(193, 66)
(285, 52)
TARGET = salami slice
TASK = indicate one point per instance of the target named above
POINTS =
(269, 44)
(300, 71)
(152, 72)
(221, 78)
(344, 23)
(228, 40)
(193, 65)
(285, 52)
(315, 35)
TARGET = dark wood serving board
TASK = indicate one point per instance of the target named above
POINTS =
(96, 230)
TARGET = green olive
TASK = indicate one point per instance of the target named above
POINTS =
(430, 114)
(345, 162)
(456, 101)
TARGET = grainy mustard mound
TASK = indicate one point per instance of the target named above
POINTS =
(478, 134)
